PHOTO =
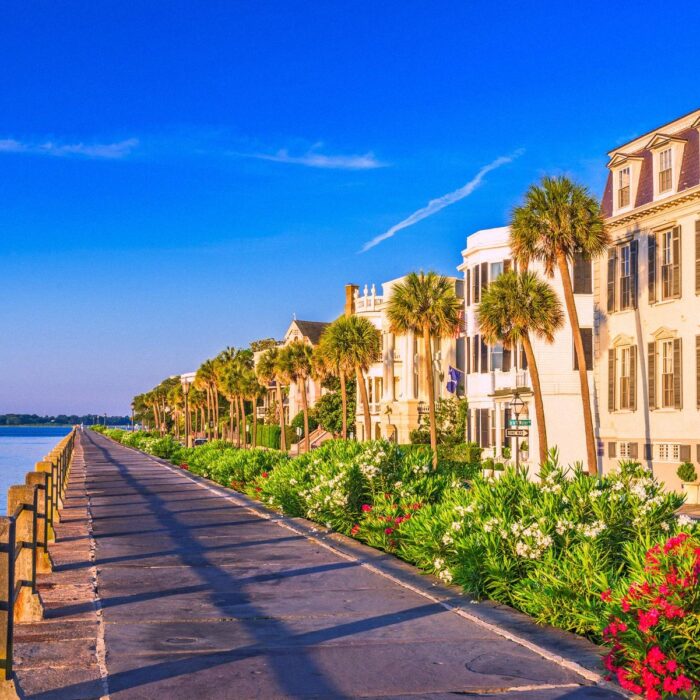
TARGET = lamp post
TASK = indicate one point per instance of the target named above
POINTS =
(516, 406)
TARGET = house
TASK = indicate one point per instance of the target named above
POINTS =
(495, 374)
(647, 302)
(396, 385)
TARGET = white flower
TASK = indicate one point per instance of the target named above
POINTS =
(684, 520)
(438, 563)
(665, 527)
(456, 526)
(292, 481)
(445, 575)
(447, 538)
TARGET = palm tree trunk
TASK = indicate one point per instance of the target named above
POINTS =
(280, 409)
(244, 425)
(365, 403)
(344, 403)
(238, 422)
(431, 394)
(539, 404)
(305, 409)
(230, 419)
(255, 422)
(582, 369)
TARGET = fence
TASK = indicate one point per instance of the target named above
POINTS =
(32, 511)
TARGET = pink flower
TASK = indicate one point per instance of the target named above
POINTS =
(606, 596)
(366, 508)
(389, 530)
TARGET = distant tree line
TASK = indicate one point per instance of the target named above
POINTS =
(61, 419)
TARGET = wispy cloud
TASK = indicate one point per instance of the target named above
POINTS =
(435, 205)
(313, 159)
(116, 150)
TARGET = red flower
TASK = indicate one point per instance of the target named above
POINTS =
(265, 475)
(366, 508)
(606, 596)
(389, 530)
(355, 529)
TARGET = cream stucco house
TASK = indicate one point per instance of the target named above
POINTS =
(495, 373)
(396, 385)
(648, 302)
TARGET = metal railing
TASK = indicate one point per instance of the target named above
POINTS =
(33, 511)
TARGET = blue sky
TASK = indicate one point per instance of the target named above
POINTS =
(178, 177)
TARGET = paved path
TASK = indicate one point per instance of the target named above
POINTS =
(200, 597)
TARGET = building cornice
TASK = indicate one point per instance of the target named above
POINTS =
(654, 208)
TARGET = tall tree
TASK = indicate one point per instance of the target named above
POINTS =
(558, 219)
(268, 371)
(295, 362)
(514, 308)
(425, 304)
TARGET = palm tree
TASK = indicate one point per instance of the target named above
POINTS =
(425, 304)
(559, 219)
(205, 379)
(268, 371)
(336, 356)
(295, 362)
(514, 307)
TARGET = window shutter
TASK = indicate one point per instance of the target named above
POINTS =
(468, 355)
(677, 386)
(676, 243)
(583, 277)
(587, 340)
(506, 359)
(697, 371)
(633, 450)
(477, 285)
(685, 453)
(611, 380)
(651, 267)
(484, 276)
(634, 271)
(523, 358)
(612, 449)
(612, 269)
(648, 451)
(697, 256)
(468, 287)
(507, 265)
(633, 377)
(475, 354)
(697, 456)
(484, 359)
(651, 368)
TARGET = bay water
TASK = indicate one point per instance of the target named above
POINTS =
(20, 449)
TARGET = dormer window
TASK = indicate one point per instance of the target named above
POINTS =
(665, 170)
(623, 188)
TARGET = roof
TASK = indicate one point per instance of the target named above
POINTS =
(311, 329)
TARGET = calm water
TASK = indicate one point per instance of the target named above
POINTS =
(20, 449)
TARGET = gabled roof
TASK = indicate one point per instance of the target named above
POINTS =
(311, 330)
(659, 140)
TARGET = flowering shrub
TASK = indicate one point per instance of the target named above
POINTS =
(654, 622)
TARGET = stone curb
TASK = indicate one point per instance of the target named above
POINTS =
(558, 646)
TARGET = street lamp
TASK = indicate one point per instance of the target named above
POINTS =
(516, 406)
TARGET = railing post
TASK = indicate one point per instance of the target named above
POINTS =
(41, 481)
(20, 503)
(51, 508)
(7, 546)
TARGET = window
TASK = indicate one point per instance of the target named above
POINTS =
(623, 188)
(628, 450)
(622, 378)
(626, 378)
(667, 365)
(497, 356)
(623, 276)
(665, 170)
(476, 296)
(587, 337)
(665, 248)
(496, 270)
(483, 431)
(669, 452)
(583, 277)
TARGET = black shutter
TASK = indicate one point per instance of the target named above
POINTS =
(648, 451)
(633, 450)
(477, 285)
(475, 354)
(587, 340)
(634, 271)
(484, 357)
(684, 453)
(523, 358)
(651, 267)
(484, 275)
(467, 355)
(651, 369)
(507, 265)
(697, 256)
(612, 271)
(697, 371)
(468, 288)
(676, 268)
(583, 280)
(612, 449)
(611, 380)
(633, 378)
(677, 375)
(506, 421)
(506, 359)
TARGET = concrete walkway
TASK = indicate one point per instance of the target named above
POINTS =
(198, 595)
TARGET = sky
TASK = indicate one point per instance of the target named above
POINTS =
(177, 177)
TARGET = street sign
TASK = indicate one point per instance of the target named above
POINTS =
(522, 432)
(518, 423)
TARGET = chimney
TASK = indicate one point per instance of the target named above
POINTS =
(350, 290)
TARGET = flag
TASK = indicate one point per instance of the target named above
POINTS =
(453, 381)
